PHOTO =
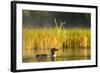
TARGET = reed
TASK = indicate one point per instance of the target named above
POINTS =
(42, 40)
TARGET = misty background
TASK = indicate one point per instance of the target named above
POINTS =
(39, 19)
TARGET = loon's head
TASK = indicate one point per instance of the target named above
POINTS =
(54, 49)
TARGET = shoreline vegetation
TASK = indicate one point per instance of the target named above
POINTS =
(40, 41)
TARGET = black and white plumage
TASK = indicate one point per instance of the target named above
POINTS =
(53, 55)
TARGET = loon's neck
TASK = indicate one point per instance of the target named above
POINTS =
(54, 55)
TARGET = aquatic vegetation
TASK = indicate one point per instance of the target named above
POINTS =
(39, 41)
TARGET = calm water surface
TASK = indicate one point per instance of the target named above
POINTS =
(68, 54)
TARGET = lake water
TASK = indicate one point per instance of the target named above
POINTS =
(66, 55)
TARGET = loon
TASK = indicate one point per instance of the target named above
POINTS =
(45, 56)
(53, 55)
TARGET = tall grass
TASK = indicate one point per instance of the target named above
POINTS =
(41, 40)
(35, 40)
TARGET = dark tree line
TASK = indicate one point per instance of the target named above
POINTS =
(46, 18)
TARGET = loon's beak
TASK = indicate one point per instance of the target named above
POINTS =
(56, 49)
